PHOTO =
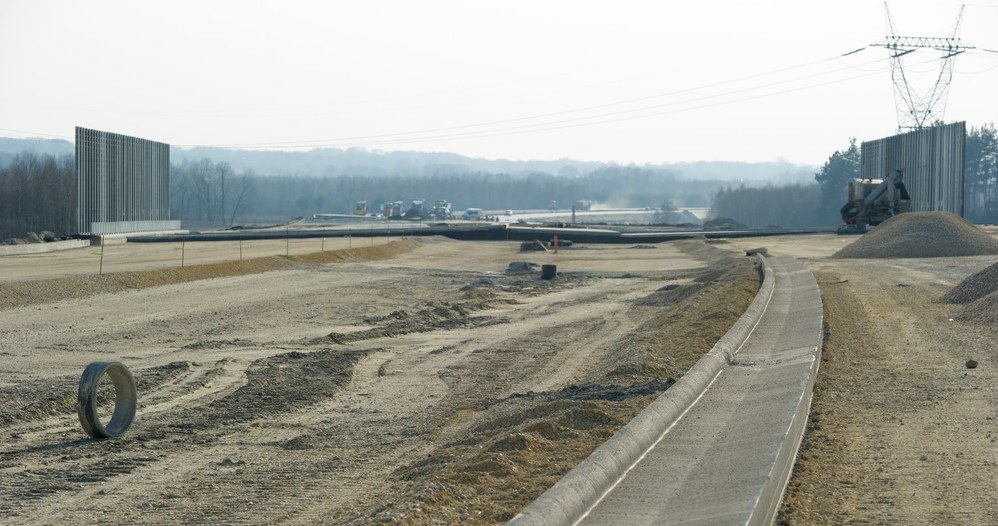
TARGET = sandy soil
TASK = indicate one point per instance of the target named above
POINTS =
(124, 257)
(431, 387)
(901, 431)
(418, 383)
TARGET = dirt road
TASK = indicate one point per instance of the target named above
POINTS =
(427, 388)
(901, 431)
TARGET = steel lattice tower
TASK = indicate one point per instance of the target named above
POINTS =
(916, 109)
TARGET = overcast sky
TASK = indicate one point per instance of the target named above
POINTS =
(624, 81)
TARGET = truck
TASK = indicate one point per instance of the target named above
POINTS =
(873, 201)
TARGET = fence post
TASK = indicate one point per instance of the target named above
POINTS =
(100, 270)
(183, 253)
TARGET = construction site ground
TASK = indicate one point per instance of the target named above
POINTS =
(418, 382)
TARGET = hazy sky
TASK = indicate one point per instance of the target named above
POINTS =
(624, 81)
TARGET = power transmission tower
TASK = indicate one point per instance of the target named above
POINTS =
(919, 109)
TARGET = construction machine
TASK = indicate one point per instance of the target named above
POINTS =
(416, 212)
(441, 210)
(873, 201)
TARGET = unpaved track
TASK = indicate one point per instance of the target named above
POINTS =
(901, 432)
(251, 413)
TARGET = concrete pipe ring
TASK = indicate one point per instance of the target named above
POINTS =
(125, 400)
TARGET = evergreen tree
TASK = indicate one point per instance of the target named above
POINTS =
(840, 168)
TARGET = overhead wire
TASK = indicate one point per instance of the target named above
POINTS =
(365, 138)
(37, 134)
(548, 127)
(489, 129)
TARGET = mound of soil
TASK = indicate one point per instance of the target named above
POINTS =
(536, 437)
(519, 267)
(724, 223)
(977, 286)
(921, 235)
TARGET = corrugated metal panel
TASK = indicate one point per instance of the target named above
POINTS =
(120, 179)
(932, 161)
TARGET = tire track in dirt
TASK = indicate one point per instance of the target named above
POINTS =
(900, 431)
(371, 403)
(271, 429)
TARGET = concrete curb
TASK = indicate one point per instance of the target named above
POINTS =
(122, 238)
(766, 508)
(39, 248)
(570, 499)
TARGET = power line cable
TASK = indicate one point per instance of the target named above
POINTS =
(38, 134)
(536, 116)
(540, 127)
(549, 126)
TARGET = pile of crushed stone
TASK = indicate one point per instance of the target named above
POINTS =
(41, 237)
(921, 235)
(975, 287)
(982, 310)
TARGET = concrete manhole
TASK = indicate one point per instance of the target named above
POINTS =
(125, 400)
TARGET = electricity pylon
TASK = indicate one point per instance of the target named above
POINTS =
(917, 110)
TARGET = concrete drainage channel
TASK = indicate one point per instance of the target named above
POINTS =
(719, 445)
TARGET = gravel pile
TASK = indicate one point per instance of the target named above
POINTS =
(983, 310)
(977, 286)
(921, 235)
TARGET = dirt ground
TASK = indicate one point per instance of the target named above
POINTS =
(901, 431)
(413, 383)
(418, 383)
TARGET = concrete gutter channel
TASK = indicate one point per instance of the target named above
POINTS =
(40, 248)
(719, 445)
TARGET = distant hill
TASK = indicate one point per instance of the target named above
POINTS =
(325, 162)
(12, 146)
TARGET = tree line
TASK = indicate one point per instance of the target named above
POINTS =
(208, 193)
(37, 193)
